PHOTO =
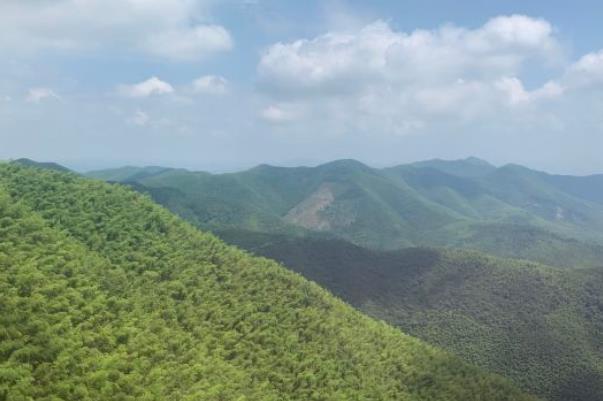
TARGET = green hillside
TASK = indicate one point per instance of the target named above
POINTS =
(538, 325)
(509, 211)
(129, 173)
(43, 165)
(105, 295)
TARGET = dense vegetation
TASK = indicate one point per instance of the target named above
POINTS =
(106, 296)
(540, 326)
(44, 165)
(509, 211)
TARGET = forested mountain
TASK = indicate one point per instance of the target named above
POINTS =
(540, 326)
(510, 211)
(43, 165)
(105, 295)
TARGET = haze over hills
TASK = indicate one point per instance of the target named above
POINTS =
(510, 211)
(106, 295)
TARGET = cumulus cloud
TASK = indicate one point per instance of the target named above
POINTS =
(515, 30)
(172, 29)
(517, 94)
(36, 95)
(343, 62)
(210, 84)
(152, 86)
(386, 80)
(587, 71)
(278, 114)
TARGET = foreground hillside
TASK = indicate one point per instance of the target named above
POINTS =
(509, 211)
(539, 326)
(105, 295)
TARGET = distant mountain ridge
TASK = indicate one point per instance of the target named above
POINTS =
(464, 203)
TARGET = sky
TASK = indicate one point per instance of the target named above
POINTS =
(226, 85)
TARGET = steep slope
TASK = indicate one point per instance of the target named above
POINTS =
(108, 296)
(537, 325)
(508, 211)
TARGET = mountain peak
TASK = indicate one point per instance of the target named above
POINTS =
(476, 161)
(344, 164)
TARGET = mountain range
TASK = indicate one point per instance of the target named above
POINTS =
(509, 211)
(354, 229)
(412, 245)
(106, 295)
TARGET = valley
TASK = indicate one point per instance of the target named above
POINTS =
(534, 313)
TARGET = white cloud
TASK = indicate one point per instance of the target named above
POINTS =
(36, 95)
(330, 63)
(210, 84)
(278, 114)
(587, 71)
(152, 86)
(516, 30)
(139, 118)
(517, 94)
(172, 29)
(446, 98)
(342, 62)
(394, 82)
(189, 43)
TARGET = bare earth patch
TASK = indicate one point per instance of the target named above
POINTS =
(308, 214)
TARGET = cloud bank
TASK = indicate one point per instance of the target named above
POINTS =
(386, 80)
(175, 30)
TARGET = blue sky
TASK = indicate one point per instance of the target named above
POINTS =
(223, 85)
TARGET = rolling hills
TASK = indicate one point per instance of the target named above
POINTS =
(105, 295)
(346, 226)
(538, 325)
(510, 211)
